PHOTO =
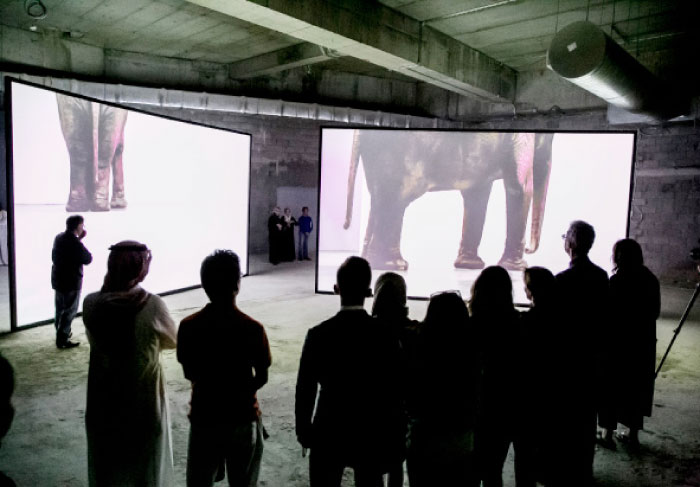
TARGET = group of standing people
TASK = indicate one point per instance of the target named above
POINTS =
(280, 227)
(447, 395)
(224, 353)
(450, 394)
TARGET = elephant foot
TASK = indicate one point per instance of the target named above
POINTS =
(100, 205)
(513, 263)
(469, 261)
(75, 204)
(387, 262)
(118, 203)
(390, 265)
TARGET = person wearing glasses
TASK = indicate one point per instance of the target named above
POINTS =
(585, 335)
(68, 255)
(127, 420)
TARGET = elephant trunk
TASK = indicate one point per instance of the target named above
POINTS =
(354, 162)
(542, 167)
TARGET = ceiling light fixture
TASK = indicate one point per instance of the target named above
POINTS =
(35, 9)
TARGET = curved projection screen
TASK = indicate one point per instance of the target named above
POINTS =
(185, 187)
(415, 190)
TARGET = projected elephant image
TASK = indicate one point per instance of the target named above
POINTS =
(94, 135)
(401, 166)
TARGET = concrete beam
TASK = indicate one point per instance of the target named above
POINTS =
(273, 62)
(381, 36)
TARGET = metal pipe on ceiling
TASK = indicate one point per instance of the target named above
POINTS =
(584, 55)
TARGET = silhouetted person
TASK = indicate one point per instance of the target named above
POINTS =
(350, 364)
(7, 411)
(635, 303)
(541, 356)
(288, 223)
(68, 255)
(443, 397)
(504, 408)
(226, 356)
(274, 231)
(583, 289)
(127, 419)
(389, 306)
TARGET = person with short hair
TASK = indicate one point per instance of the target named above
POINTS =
(68, 255)
(127, 418)
(583, 290)
(306, 226)
(225, 354)
(350, 364)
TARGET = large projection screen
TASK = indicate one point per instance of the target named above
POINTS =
(406, 200)
(186, 189)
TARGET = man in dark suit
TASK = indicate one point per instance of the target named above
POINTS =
(69, 255)
(353, 359)
(583, 288)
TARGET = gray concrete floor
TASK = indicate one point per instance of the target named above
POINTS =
(46, 445)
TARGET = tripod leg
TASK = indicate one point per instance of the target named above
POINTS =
(678, 328)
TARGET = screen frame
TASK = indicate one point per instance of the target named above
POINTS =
(633, 165)
(9, 138)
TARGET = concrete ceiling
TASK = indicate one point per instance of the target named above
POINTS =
(478, 49)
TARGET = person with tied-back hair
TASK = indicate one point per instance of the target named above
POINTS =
(545, 360)
(635, 303)
(126, 418)
(226, 355)
(503, 415)
(389, 306)
(445, 378)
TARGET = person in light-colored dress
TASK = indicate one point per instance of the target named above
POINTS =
(126, 418)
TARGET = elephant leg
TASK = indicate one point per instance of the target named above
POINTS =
(475, 202)
(382, 246)
(517, 180)
(110, 140)
(75, 116)
(516, 216)
(118, 200)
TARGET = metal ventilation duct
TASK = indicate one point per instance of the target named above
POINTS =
(586, 56)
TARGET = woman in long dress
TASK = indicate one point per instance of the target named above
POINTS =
(126, 418)
(635, 300)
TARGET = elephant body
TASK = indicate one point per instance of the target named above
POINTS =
(401, 166)
(94, 135)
